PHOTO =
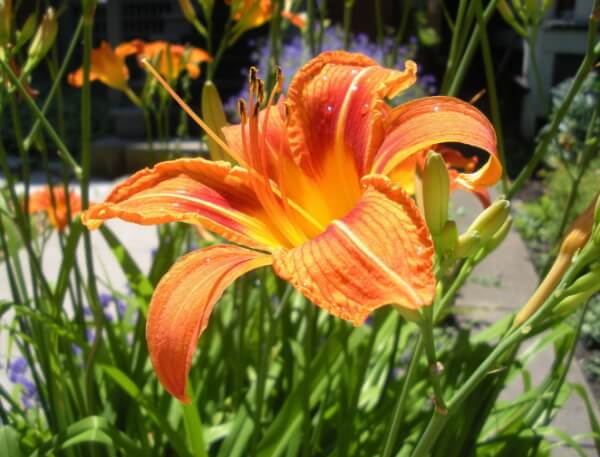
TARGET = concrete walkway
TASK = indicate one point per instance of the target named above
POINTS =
(498, 286)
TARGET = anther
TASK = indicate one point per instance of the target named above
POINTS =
(279, 78)
(252, 77)
(241, 105)
(260, 91)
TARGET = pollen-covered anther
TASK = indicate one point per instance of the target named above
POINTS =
(286, 113)
(260, 91)
(241, 106)
(252, 78)
(279, 79)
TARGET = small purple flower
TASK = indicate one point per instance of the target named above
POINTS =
(105, 299)
(90, 334)
(76, 350)
(18, 366)
(121, 307)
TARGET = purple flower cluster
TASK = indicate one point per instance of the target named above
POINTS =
(294, 53)
(17, 374)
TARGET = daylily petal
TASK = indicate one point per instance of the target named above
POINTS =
(380, 253)
(182, 304)
(336, 103)
(336, 121)
(423, 123)
(195, 191)
(57, 213)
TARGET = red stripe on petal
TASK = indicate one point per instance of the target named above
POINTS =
(380, 253)
(195, 191)
(182, 304)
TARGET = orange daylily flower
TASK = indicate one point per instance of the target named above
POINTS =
(57, 213)
(255, 13)
(310, 199)
(173, 59)
(107, 66)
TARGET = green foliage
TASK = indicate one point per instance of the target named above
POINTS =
(567, 146)
(274, 375)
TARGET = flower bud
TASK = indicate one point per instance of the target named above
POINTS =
(6, 21)
(468, 244)
(42, 41)
(26, 31)
(214, 116)
(436, 190)
(577, 236)
(491, 220)
(188, 10)
(495, 241)
(589, 282)
(449, 237)
(571, 303)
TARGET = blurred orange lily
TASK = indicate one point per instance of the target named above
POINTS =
(309, 198)
(107, 66)
(56, 211)
(173, 59)
(254, 13)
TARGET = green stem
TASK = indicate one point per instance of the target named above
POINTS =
(590, 149)
(63, 151)
(86, 113)
(453, 53)
(493, 95)
(587, 64)
(379, 23)
(565, 370)
(435, 369)
(513, 337)
(400, 407)
(539, 85)
(348, 7)
(56, 85)
(310, 27)
(467, 56)
(399, 37)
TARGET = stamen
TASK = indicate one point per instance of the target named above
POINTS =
(192, 114)
(252, 77)
(260, 91)
(278, 79)
(242, 111)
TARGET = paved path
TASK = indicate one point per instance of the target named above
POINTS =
(499, 285)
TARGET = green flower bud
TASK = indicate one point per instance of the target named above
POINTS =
(468, 244)
(589, 282)
(26, 31)
(495, 241)
(188, 10)
(6, 21)
(214, 116)
(571, 303)
(448, 239)
(436, 190)
(491, 220)
(42, 41)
